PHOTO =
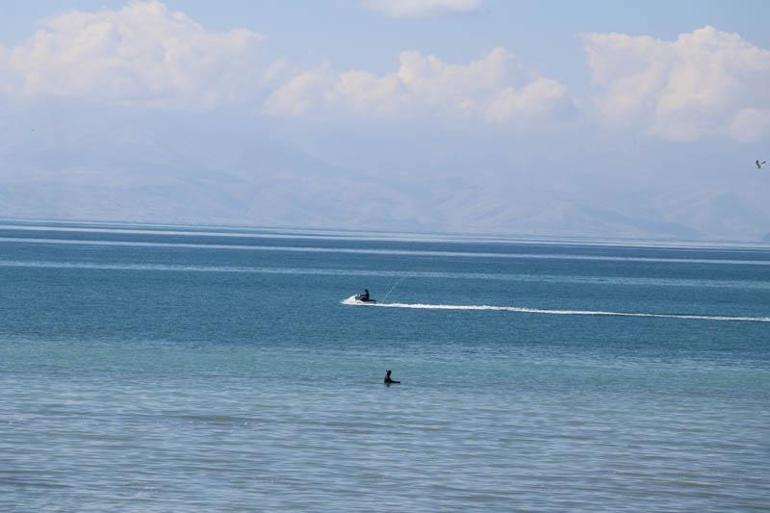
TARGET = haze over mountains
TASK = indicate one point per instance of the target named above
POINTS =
(186, 169)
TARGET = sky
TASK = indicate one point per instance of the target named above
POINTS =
(610, 119)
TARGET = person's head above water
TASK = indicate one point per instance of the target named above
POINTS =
(388, 379)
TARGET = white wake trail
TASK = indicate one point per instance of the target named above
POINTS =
(522, 309)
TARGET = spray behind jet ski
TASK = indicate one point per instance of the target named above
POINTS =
(393, 288)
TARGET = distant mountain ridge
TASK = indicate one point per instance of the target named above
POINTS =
(185, 173)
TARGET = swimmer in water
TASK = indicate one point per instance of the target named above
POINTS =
(388, 380)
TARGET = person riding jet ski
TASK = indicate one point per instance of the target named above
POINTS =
(364, 297)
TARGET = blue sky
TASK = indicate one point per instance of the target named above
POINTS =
(606, 118)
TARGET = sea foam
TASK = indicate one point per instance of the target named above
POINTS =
(523, 309)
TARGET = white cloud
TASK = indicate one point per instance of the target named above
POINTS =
(494, 89)
(5, 75)
(416, 8)
(750, 124)
(142, 54)
(706, 83)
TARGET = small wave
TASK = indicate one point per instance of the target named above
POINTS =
(523, 309)
(540, 278)
(380, 251)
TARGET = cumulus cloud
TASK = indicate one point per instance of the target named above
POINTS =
(494, 88)
(417, 8)
(142, 54)
(705, 83)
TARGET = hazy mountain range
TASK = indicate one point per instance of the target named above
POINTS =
(188, 169)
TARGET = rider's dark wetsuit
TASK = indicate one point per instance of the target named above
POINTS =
(388, 380)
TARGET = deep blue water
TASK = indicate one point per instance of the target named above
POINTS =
(200, 369)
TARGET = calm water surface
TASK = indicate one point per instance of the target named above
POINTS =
(150, 369)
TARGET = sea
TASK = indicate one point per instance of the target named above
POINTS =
(159, 368)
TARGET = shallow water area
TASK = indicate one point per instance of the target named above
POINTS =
(147, 368)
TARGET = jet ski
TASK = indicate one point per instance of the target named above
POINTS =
(364, 297)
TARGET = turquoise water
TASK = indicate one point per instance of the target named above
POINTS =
(208, 369)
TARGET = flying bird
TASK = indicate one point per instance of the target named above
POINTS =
(759, 164)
